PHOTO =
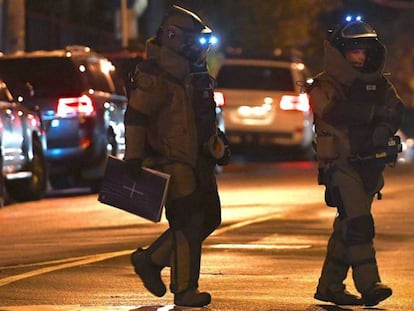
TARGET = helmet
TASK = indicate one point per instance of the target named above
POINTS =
(185, 33)
(357, 34)
(353, 35)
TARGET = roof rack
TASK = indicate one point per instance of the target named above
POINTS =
(276, 54)
(78, 48)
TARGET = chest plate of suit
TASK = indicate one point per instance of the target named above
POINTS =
(362, 101)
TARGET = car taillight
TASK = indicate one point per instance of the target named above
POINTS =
(219, 99)
(71, 106)
(292, 102)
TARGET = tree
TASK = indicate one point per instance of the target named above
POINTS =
(266, 25)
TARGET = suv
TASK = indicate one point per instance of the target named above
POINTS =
(263, 102)
(82, 103)
(22, 142)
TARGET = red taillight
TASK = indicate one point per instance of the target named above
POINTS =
(71, 106)
(291, 102)
(219, 99)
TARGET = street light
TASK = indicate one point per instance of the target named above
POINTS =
(124, 19)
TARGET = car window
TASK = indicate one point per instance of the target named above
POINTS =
(48, 76)
(98, 80)
(255, 78)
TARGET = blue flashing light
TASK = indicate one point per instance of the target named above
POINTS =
(212, 40)
(350, 18)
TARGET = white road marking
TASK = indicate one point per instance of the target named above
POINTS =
(78, 261)
(70, 264)
(258, 246)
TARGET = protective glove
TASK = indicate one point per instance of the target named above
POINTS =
(225, 159)
(380, 137)
(133, 167)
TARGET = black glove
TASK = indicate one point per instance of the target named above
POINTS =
(133, 168)
(380, 137)
(225, 159)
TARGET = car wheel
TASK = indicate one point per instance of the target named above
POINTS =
(34, 187)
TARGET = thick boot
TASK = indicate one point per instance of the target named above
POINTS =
(192, 298)
(377, 293)
(339, 296)
(149, 273)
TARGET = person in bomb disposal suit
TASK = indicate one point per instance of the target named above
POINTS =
(356, 113)
(171, 126)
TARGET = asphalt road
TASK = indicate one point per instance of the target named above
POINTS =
(69, 252)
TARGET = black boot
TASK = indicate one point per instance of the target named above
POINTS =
(192, 298)
(339, 297)
(377, 293)
(149, 273)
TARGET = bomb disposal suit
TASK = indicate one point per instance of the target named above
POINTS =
(171, 126)
(356, 113)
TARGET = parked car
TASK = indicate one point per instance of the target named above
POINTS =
(124, 61)
(82, 103)
(406, 132)
(263, 103)
(22, 143)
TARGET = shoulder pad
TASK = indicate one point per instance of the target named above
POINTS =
(144, 77)
(306, 87)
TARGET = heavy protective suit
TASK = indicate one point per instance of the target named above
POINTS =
(171, 126)
(356, 113)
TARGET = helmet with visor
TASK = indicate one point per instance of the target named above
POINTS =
(356, 34)
(184, 32)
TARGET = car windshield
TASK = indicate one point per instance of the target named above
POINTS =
(255, 78)
(47, 76)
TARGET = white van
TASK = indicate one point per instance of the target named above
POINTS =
(263, 103)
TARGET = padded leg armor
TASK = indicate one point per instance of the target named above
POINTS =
(354, 209)
(192, 219)
(334, 271)
(359, 237)
(160, 251)
(358, 232)
(335, 268)
(361, 253)
(188, 217)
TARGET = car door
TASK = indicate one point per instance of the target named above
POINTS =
(113, 100)
(11, 132)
